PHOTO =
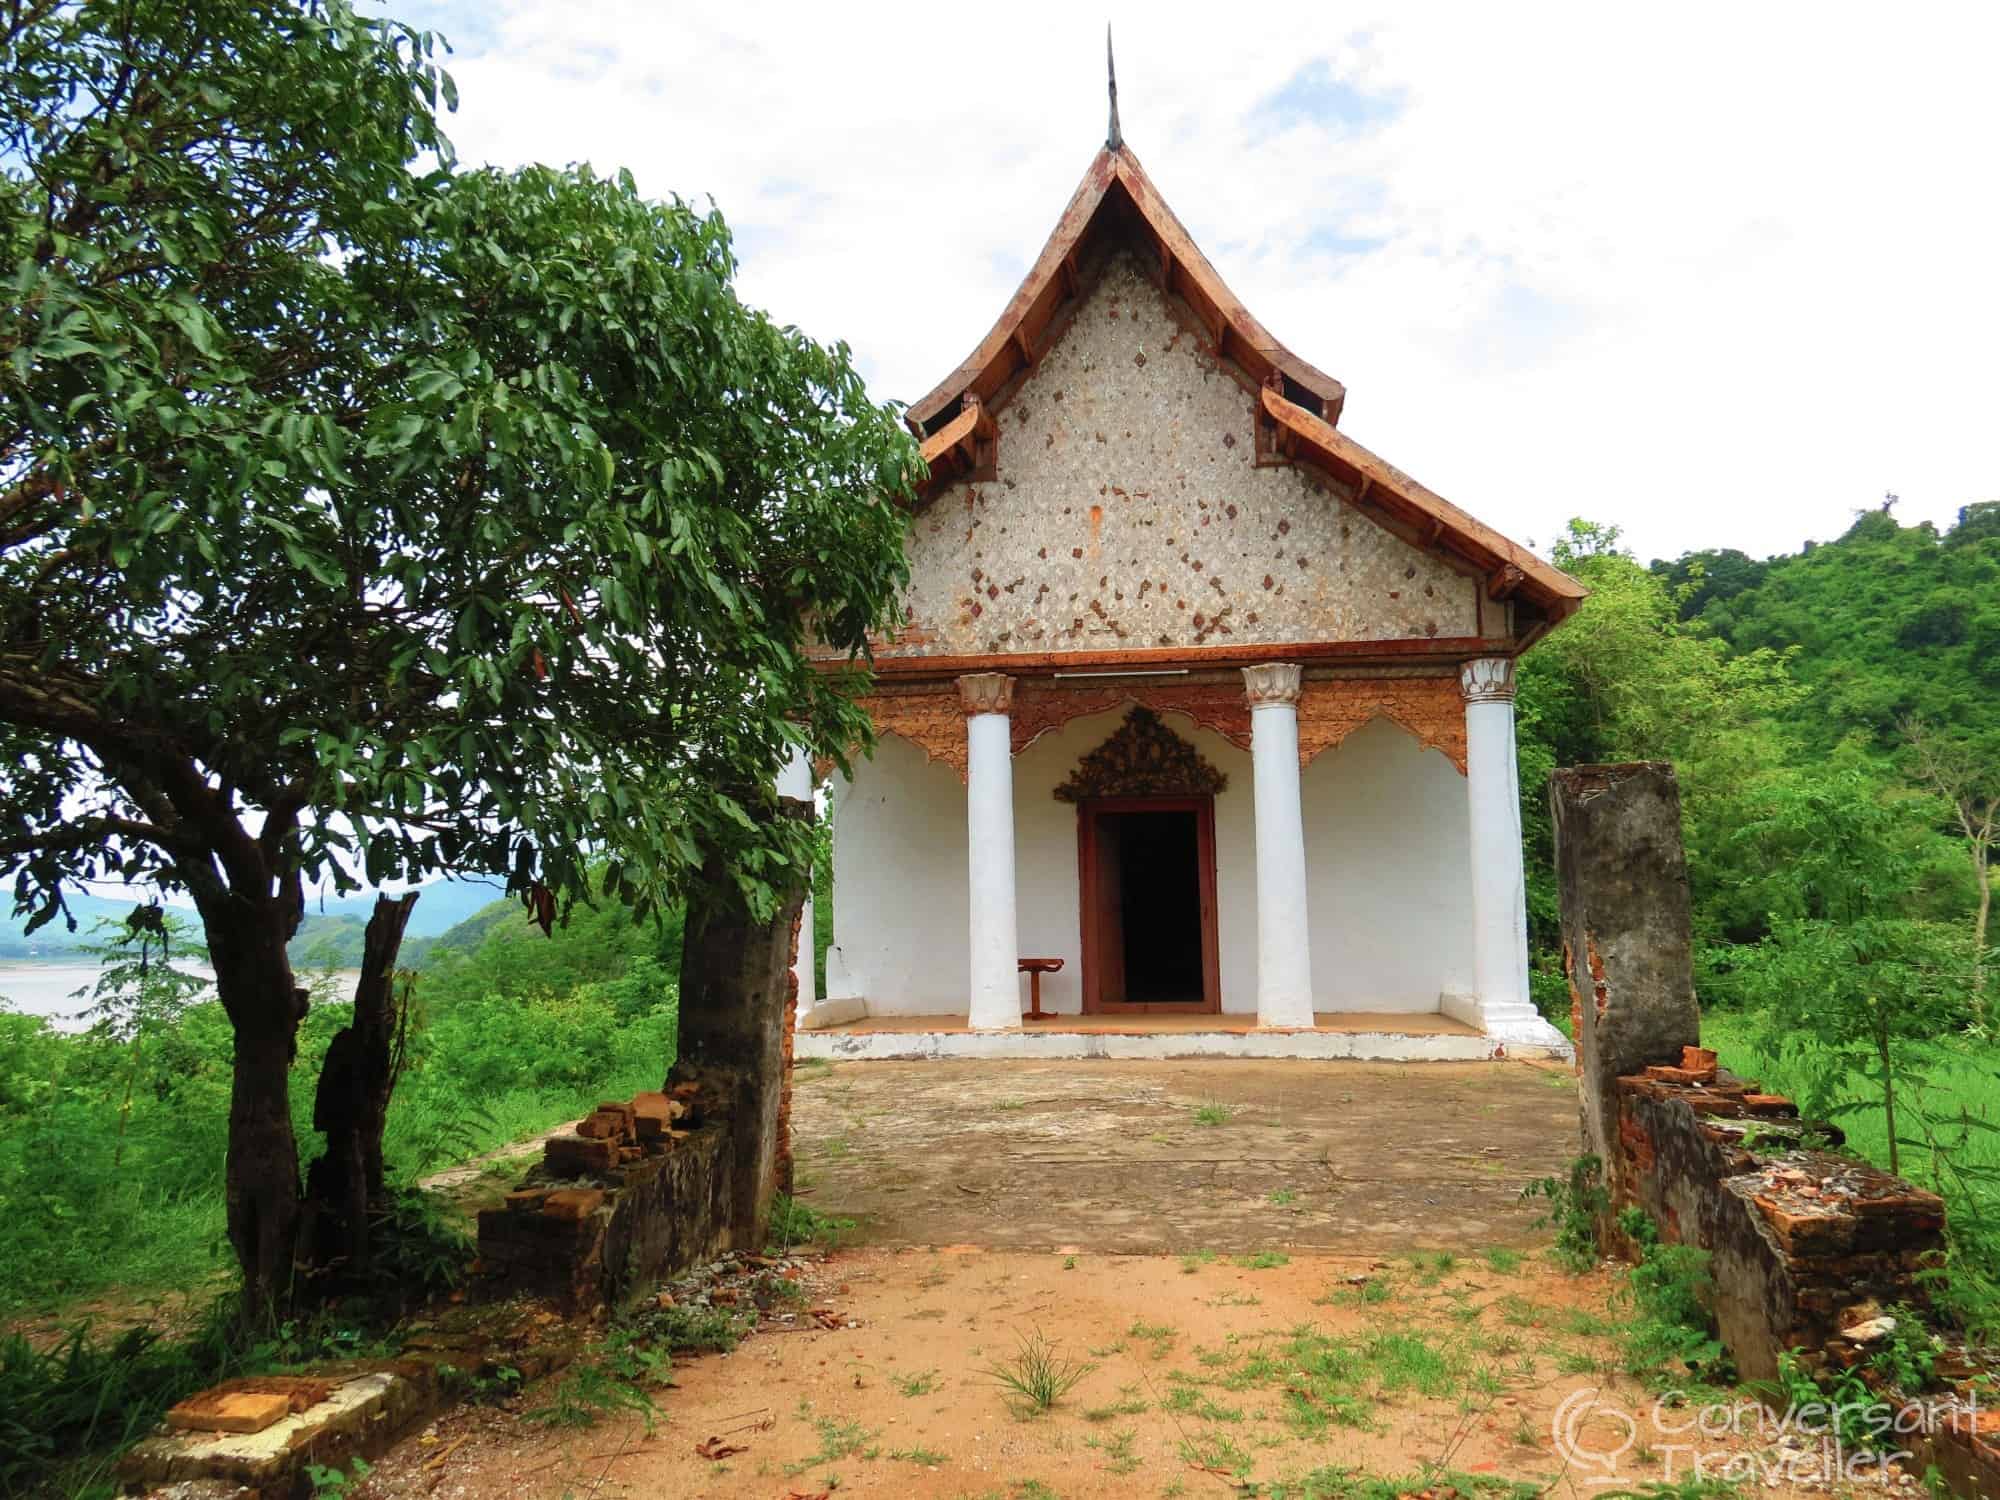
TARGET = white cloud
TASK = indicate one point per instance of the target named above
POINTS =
(1719, 274)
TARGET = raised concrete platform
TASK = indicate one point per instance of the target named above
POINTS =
(1379, 1036)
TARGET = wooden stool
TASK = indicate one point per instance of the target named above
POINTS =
(1035, 968)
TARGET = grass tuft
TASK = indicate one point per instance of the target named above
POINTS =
(1037, 1376)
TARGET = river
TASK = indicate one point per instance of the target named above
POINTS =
(49, 989)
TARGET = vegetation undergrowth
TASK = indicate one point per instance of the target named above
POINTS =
(111, 1139)
(1575, 1201)
(795, 1225)
(1038, 1374)
(1671, 1336)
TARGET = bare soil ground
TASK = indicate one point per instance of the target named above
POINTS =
(1180, 1156)
(1280, 1279)
(1204, 1375)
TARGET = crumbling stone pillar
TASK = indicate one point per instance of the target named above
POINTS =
(736, 994)
(1628, 949)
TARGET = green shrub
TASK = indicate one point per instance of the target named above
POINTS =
(1672, 1334)
(1575, 1202)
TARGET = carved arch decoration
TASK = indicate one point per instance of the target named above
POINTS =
(929, 716)
(1218, 705)
(1143, 758)
(1429, 709)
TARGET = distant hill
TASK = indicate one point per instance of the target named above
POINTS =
(442, 905)
(1889, 622)
(330, 935)
(54, 940)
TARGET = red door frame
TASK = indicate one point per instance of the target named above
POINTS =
(1087, 812)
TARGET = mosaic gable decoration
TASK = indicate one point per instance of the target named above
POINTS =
(1143, 758)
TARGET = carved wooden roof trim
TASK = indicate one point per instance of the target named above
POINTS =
(1430, 710)
(1114, 199)
(1510, 569)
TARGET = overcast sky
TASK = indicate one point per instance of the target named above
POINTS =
(1720, 275)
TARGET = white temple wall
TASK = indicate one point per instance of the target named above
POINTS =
(1388, 873)
(1386, 856)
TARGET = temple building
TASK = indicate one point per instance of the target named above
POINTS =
(1197, 695)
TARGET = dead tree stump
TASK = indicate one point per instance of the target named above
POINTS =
(1628, 946)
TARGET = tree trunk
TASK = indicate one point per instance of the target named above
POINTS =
(736, 981)
(351, 1107)
(253, 979)
(1889, 1104)
(377, 1023)
(1981, 869)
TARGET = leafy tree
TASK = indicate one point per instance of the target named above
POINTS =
(1888, 622)
(139, 995)
(1966, 777)
(1629, 679)
(1847, 985)
(361, 520)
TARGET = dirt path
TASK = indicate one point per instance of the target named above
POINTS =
(471, 1171)
(1202, 1375)
(1182, 1156)
(1278, 1279)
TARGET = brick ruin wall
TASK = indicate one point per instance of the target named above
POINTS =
(634, 1192)
(1127, 512)
(1807, 1242)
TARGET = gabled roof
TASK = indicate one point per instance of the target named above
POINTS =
(1511, 570)
(1116, 207)
(1114, 199)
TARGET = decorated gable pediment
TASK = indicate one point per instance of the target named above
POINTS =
(1130, 462)
(1143, 758)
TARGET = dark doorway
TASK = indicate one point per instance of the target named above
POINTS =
(1148, 888)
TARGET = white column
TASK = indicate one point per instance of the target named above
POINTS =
(1284, 952)
(994, 980)
(1499, 884)
(796, 780)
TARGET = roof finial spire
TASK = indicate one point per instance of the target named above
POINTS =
(1114, 139)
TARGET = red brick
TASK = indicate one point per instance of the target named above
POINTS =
(1800, 1231)
(1677, 1075)
(230, 1411)
(573, 1204)
(570, 1155)
(1914, 1202)
(1769, 1104)
(1698, 1060)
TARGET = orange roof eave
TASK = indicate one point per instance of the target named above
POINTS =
(1511, 566)
(1004, 352)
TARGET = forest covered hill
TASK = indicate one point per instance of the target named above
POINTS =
(1887, 623)
(1790, 692)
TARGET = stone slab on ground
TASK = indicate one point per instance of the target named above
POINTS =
(1352, 1157)
(362, 1413)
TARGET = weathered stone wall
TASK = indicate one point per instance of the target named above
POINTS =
(1127, 513)
(1808, 1246)
(1805, 1241)
(1628, 950)
(633, 1193)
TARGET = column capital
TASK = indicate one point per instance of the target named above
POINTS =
(1487, 679)
(985, 693)
(1273, 682)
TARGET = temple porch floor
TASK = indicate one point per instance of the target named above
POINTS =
(1386, 1036)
